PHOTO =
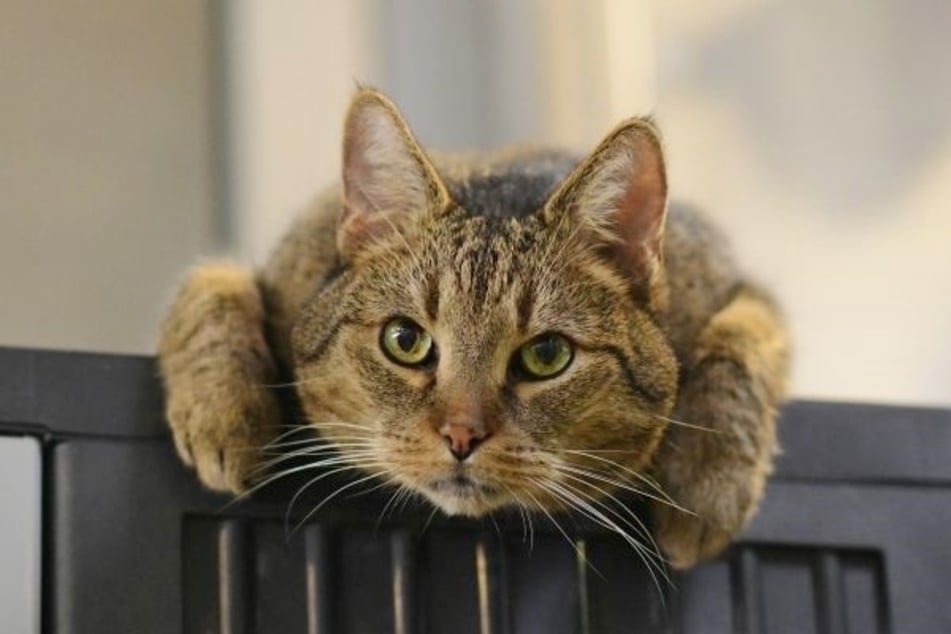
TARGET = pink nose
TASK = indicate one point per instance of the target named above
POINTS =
(462, 439)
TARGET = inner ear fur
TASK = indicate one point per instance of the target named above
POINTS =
(388, 181)
(619, 197)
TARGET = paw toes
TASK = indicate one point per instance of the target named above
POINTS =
(688, 540)
(223, 469)
(184, 448)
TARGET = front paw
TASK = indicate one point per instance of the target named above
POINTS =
(719, 508)
(222, 435)
(686, 540)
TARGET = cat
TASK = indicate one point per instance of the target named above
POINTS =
(522, 329)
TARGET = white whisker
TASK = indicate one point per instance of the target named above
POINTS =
(332, 496)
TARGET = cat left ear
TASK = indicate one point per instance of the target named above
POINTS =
(387, 178)
(619, 194)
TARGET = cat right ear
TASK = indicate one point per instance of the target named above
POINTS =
(619, 196)
(387, 178)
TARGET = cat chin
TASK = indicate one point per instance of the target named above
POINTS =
(466, 507)
(466, 503)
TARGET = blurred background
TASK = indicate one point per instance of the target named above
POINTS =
(137, 136)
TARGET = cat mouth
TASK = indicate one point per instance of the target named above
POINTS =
(462, 485)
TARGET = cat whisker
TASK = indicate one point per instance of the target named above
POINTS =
(574, 500)
(292, 429)
(686, 425)
(297, 469)
(336, 423)
(417, 263)
(353, 450)
(638, 525)
(581, 554)
(401, 490)
(498, 531)
(307, 485)
(621, 484)
(429, 519)
(273, 386)
(649, 481)
(528, 532)
(581, 502)
(333, 495)
(320, 446)
(317, 440)
(622, 451)
(629, 518)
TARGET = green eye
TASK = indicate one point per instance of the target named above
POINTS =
(405, 342)
(544, 357)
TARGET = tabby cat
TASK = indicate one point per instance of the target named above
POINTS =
(519, 329)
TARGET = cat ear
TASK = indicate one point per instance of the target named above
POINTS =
(619, 194)
(387, 178)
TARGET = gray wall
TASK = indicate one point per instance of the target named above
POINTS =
(106, 173)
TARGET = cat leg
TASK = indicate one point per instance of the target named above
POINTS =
(730, 389)
(216, 366)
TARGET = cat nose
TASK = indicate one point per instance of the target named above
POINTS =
(462, 440)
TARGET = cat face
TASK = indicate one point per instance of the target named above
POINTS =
(487, 359)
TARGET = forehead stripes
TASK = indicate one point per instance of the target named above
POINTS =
(515, 189)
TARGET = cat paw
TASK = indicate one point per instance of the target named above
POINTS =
(686, 540)
(223, 441)
(719, 509)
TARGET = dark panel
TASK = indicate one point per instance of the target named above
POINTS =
(622, 594)
(543, 586)
(80, 393)
(864, 602)
(830, 610)
(801, 589)
(236, 587)
(405, 582)
(449, 585)
(787, 597)
(364, 582)
(115, 536)
(704, 600)
(200, 576)
(280, 580)
(134, 545)
(848, 442)
(319, 573)
(747, 600)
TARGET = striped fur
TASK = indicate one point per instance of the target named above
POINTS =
(678, 368)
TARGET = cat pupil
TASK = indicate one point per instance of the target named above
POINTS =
(546, 351)
(406, 339)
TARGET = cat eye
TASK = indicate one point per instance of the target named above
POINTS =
(406, 343)
(544, 357)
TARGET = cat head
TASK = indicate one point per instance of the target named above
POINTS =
(490, 338)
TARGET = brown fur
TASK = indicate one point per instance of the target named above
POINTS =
(665, 332)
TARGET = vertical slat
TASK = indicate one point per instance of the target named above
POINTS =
(319, 576)
(200, 597)
(490, 583)
(483, 586)
(543, 586)
(363, 589)
(864, 595)
(787, 591)
(703, 596)
(829, 596)
(280, 572)
(747, 600)
(235, 598)
(404, 583)
(622, 595)
(450, 590)
(584, 599)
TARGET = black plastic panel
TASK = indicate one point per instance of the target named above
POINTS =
(851, 538)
